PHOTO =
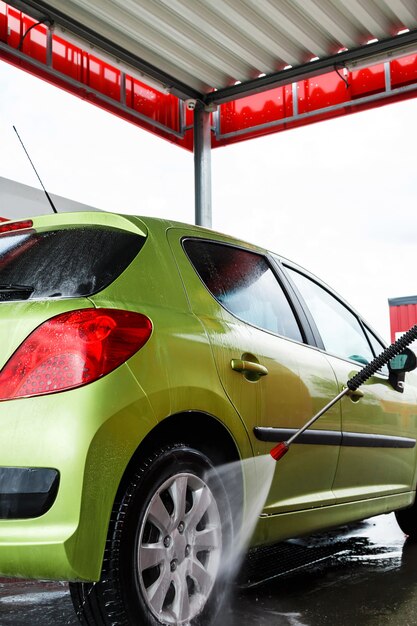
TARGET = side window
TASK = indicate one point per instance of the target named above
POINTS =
(244, 284)
(339, 328)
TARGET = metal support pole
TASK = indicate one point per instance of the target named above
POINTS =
(202, 166)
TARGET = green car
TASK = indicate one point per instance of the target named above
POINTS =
(140, 358)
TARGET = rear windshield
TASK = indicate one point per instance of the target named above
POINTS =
(63, 263)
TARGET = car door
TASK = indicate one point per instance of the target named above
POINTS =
(272, 378)
(379, 425)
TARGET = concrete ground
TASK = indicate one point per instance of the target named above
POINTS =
(362, 574)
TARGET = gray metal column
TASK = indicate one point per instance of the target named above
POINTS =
(202, 166)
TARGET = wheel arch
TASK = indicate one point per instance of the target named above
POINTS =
(194, 428)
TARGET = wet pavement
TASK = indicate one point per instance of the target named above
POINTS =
(362, 574)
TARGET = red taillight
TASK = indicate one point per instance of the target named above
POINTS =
(73, 349)
(8, 227)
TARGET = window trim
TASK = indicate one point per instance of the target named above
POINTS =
(272, 266)
(306, 321)
(368, 331)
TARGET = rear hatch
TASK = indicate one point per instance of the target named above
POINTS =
(54, 264)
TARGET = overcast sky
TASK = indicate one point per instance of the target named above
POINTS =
(338, 197)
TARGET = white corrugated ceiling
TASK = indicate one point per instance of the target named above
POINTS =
(212, 44)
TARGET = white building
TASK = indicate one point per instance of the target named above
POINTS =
(18, 201)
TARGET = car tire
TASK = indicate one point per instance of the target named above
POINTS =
(407, 521)
(168, 532)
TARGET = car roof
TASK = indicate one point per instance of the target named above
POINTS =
(142, 225)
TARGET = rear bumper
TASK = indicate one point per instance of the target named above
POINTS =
(62, 457)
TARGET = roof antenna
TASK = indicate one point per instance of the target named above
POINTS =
(39, 178)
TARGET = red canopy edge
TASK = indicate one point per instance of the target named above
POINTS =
(78, 71)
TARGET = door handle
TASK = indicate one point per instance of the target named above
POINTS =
(250, 369)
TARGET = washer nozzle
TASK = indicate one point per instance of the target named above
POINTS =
(278, 451)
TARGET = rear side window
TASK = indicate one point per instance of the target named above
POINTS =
(65, 262)
(244, 284)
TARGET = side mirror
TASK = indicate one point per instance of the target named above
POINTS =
(397, 366)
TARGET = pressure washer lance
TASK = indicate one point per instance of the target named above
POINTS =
(352, 385)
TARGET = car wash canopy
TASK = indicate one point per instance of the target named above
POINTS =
(261, 65)
(207, 73)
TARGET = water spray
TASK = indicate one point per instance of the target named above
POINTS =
(405, 364)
